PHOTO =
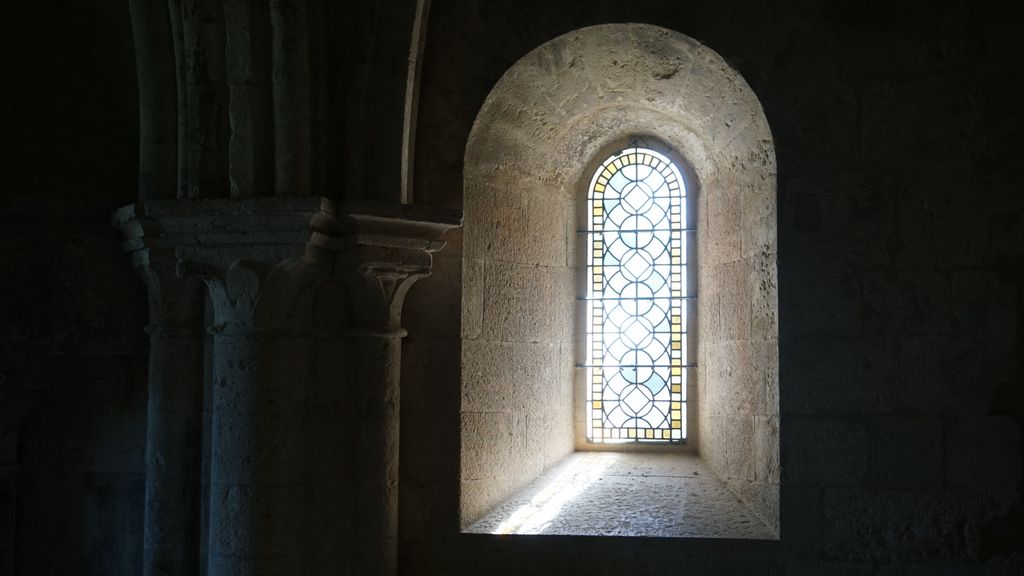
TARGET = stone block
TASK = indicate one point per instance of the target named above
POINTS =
(766, 453)
(763, 500)
(526, 303)
(850, 213)
(821, 127)
(906, 451)
(277, 511)
(981, 452)
(473, 283)
(414, 509)
(922, 120)
(763, 285)
(823, 297)
(735, 313)
(825, 376)
(892, 525)
(258, 447)
(985, 308)
(941, 223)
(330, 393)
(800, 521)
(492, 445)
(425, 438)
(550, 436)
(331, 436)
(416, 377)
(445, 375)
(433, 307)
(731, 383)
(764, 376)
(500, 376)
(723, 237)
(495, 225)
(274, 377)
(547, 242)
(710, 319)
(119, 442)
(728, 447)
(824, 452)
(940, 372)
(330, 519)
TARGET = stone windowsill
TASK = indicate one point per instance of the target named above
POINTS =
(622, 494)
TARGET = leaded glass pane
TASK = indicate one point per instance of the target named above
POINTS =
(636, 293)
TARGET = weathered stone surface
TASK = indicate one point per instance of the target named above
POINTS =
(594, 494)
(906, 451)
(824, 452)
(897, 127)
(526, 303)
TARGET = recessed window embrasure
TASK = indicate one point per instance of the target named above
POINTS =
(637, 300)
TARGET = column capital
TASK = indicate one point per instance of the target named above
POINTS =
(388, 246)
(231, 245)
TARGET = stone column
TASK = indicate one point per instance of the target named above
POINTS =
(175, 403)
(272, 287)
(379, 253)
(258, 482)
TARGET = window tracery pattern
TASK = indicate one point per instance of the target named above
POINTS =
(636, 317)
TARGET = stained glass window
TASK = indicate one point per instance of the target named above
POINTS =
(636, 300)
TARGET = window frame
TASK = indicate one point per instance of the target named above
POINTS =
(690, 443)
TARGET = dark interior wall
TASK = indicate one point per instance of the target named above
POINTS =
(901, 235)
(901, 232)
(72, 369)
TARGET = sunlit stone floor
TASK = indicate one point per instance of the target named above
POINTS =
(620, 494)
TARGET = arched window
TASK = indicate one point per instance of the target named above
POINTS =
(636, 300)
(568, 298)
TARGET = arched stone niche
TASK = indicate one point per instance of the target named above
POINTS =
(530, 151)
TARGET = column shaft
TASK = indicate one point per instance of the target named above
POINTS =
(376, 454)
(257, 483)
(173, 453)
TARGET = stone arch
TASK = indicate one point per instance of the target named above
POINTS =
(531, 145)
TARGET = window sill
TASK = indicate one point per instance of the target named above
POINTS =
(622, 494)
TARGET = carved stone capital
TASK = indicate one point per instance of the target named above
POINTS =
(230, 245)
(385, 247)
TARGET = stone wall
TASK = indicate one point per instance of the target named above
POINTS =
(900, 234)
(899, 245)
(543, 127)
(518, 344)
(72, 352)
